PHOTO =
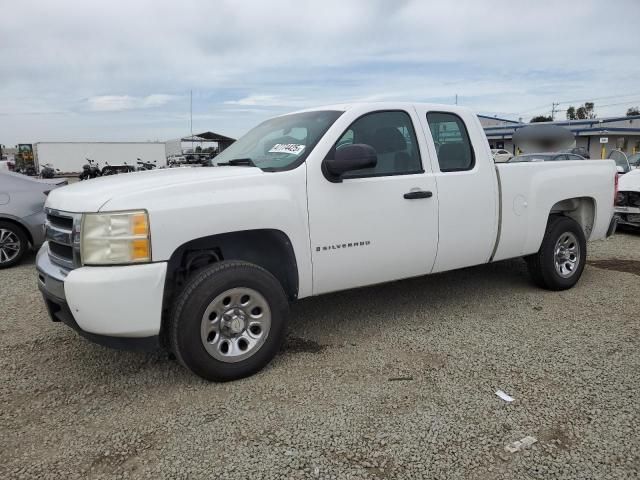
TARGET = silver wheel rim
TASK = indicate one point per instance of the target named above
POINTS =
(9, 245)
(235, 324)
(567, 255)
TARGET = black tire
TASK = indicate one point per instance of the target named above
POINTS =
(23, 245)
(184, 329)
(542, 265)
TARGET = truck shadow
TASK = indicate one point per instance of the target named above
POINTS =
(405, 301)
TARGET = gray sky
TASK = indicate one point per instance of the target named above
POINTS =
(115, 70)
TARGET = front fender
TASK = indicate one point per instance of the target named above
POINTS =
(181, 213)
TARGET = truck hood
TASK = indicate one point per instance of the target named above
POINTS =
(629, 182)
(91, 195)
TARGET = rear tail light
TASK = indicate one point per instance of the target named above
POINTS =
(615, 189)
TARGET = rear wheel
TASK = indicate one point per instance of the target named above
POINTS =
(560, 261)
(229, 321)
(13, 244)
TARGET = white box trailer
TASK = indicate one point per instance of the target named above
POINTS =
(69, 157)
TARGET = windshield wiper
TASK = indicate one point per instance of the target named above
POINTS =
(238, 162)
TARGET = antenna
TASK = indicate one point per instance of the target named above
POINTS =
(191, 116)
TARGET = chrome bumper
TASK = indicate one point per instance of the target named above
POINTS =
(634, 210)
(50, 275)
(51, 279)
(628, 216)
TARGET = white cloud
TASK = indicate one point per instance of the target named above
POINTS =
(82, 61)
(117, 103)
(266, 101)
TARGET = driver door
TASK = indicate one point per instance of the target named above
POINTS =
(377, 224)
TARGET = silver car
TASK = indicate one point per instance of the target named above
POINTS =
(545, 157)
(21, 214)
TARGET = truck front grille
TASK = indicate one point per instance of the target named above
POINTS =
(63, 235)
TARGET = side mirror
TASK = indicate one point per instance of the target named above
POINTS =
(349, 158)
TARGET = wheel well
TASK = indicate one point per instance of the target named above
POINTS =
(581, 209)
(25, 230)
(270, 249)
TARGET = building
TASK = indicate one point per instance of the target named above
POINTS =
(599, 136)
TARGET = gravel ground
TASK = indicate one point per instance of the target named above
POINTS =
(394, 381)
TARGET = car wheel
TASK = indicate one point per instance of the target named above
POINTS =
(229, 321)
(13, 244)
(560, 261)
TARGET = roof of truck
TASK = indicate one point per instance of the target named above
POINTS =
(384, 105)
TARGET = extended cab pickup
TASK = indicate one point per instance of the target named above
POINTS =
(206, 261)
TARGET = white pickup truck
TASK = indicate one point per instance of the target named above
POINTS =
(206, 261)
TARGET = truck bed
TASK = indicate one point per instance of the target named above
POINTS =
(530, 191)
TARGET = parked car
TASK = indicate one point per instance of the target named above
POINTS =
(634, 160)
(622, 162)
(627, 206)
(7, 166)
(545, 157)
(583, 152)
(206, 261)
(21, 214)
(501, 155)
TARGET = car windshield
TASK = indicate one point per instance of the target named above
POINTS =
(621, 160)
(281, 143)
(635, 160)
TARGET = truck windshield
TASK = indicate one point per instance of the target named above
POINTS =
(281, 143)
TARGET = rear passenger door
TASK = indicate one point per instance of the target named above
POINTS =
(467, 188)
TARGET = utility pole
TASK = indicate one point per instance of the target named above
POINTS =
(553, 110)
(456, 98)
(191, 116)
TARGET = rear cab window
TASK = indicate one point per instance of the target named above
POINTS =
(451, 139)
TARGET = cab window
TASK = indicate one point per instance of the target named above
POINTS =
(392, 136)
(451, 139)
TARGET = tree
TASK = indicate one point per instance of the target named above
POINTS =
(582, 112)
(540, 118)
(588, 107)
(633, 111)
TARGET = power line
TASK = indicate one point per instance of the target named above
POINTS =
(602, 98)
(578, 101)
(612, 104)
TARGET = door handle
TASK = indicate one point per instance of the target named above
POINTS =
(417, 194)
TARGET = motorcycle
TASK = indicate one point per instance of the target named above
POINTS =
(90, 170)
(29, 171)
(48, 171)
(116, 169)
(146, 165)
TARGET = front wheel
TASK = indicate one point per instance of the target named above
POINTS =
(560, 261)
(229, 321)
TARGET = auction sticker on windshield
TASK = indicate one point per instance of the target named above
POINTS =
(292, 148)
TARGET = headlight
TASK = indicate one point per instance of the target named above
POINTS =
(620, 198)
(115, 238)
